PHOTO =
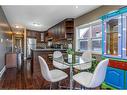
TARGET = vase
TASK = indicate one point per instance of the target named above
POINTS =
(69, 58)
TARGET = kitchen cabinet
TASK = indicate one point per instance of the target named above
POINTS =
(31, 34)
(50, 32)
(42, 37)
(38, 37)
(62, 33)
(47, 54)
(126, 80)
(115, 77)
(62, 30)
(46, 36)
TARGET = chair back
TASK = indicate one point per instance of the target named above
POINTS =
(99, 74)
(58, 54)
(44, 69)
(87, 55)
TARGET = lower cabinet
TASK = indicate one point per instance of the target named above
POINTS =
(115, 77)
(126, 80)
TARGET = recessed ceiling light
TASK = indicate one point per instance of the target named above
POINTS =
(37, 24)
(76, 6)
(16, 26)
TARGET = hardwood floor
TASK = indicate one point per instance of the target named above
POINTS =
(20, 78)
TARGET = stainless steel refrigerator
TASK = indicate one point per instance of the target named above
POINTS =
(31, 44)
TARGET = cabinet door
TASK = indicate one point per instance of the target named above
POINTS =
(126, 80)
(63, 33)
(124, 49)
(118, 64)
(115, 77)
(112, 37)
(38, 37)
(42, 37)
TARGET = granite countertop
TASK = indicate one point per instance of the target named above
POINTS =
(13, 53)
(49, 49)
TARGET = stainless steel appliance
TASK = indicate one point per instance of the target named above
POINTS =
(31, 44)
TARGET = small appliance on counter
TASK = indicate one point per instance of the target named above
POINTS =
(57, 46)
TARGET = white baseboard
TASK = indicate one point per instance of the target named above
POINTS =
(2, 71)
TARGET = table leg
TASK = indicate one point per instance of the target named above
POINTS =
(71, 77)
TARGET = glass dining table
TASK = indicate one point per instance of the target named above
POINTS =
(72, 61)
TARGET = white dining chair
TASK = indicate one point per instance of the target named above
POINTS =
(89, 80)
(51, 75)
(84, 66)
(58, 54)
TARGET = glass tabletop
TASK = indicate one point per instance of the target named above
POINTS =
(74, 60)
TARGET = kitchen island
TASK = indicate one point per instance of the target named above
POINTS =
(47, 54)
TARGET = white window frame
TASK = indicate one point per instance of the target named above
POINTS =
(89, 38)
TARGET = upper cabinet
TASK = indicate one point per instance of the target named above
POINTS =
(36, 34)
(114, 29)
(31, 34)
(62, 30)
(42, 37)
(69, 28)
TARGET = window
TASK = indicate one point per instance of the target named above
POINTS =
(83, 44)
(83, 38)
(96, 37)
(89, 37)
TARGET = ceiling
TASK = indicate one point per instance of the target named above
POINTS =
(42, 17)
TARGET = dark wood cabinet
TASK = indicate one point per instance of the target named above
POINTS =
(31, 34)
(47, 55)
(36, 34)
(46, 37)
(38, 37)
(62, 30)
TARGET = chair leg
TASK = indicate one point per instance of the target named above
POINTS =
(59, 84)
(74, 84)
(55, 84)
(100, 87)
(83, 88)
(50, 85)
